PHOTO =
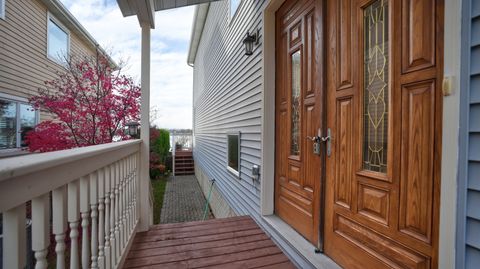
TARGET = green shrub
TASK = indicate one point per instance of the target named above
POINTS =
(161, 145)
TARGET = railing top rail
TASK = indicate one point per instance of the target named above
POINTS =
(27, 164)
(26, 177)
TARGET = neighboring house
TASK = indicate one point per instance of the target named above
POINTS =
(36, 36)
(363, 117)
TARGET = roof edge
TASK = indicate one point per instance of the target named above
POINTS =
(67, 18)
(199, 19)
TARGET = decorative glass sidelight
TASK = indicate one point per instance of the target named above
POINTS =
(375, 107)
(295, 114)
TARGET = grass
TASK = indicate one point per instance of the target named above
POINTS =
(158, 186)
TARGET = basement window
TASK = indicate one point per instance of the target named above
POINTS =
(2, 9)
(233, 153)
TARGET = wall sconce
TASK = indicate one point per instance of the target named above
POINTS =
(132, 129)
(251, 40)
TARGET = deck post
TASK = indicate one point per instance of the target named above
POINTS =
(144, 179)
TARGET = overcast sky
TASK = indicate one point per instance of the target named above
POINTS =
(171, 77)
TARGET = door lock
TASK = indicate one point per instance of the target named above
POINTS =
(317, 140)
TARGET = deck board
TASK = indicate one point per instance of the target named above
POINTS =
(235, 242)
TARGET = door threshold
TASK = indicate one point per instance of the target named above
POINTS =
(299, 243)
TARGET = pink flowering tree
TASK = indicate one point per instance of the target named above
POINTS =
(90, 103)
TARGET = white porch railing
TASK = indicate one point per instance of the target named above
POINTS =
(92, 190)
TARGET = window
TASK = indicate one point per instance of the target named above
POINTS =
(58, 41)
(2, 9)
(16, 119)
(234, 4)
(233, 152)
(375, 103)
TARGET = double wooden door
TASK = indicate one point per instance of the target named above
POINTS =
(382, 103)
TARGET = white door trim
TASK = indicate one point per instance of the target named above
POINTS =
(267, 183)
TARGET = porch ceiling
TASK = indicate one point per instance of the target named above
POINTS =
(145, 9)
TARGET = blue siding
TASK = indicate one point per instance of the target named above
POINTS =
(468, 229)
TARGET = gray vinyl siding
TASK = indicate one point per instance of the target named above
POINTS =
(227, 97)
(24, 65)
(468, 229)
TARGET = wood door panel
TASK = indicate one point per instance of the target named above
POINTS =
(344, 147)
(299, 111)
(416, 191)
(374, 203)
(345, 45)
(418, 34)
(389, 252)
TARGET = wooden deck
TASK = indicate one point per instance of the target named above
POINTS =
(235, 242)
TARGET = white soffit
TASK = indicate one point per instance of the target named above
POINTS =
(145, 9)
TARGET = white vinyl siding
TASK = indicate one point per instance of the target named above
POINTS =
(228, 99)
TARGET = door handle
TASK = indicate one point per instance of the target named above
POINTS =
(328, 140)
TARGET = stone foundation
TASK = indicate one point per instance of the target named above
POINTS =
(220, 207)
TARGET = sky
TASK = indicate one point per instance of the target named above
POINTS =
(171, 77)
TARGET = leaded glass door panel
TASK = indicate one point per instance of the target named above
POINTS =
(384, 108)
(299, 112)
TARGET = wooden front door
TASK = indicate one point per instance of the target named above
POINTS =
(384, 77)
(299, 112)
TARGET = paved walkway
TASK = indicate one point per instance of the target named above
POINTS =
(183, 201)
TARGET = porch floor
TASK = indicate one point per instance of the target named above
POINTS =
(235, 242)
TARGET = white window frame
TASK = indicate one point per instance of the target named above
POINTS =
(229, 168)
(2, 9)
(52, 18)
(18, 101)
(233, 14)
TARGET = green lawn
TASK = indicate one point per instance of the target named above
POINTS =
(158, 186)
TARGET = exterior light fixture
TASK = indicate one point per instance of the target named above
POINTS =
(132, 128)
(251, 40)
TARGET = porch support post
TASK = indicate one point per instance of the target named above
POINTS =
(144, 179)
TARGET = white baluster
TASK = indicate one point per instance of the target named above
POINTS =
(41, 229)
(127, 206)
(59, 205)
(130, 193)
(15, 234)
(120, 203)
(94, 217)
(117, 212)
(126, 226)
(101, 218)
(135, 186)
(73, 219)
(84, 212)
(112, 216)
(108, 257)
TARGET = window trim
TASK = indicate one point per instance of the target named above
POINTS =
(229, 168)
(18, 100)
(57, 22)
(232, 16)
(2, 9)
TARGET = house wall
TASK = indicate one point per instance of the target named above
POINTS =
(227, 98)
(24, 65)
(468, 216)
